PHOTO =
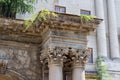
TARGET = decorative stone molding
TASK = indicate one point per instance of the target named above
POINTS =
(80, 57)
(79, 60)
(54, 56)
(68, 55)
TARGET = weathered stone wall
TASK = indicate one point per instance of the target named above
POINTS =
(22, 59)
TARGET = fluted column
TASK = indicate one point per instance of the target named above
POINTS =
(114, 44)
(101, 33)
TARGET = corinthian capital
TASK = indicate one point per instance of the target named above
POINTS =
(55, 55)
(80, 57)
(60, 55)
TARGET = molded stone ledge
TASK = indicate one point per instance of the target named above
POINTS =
(112, 65)
(66, 21)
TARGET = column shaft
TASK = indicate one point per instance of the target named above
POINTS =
(101, 33)
(78, 73)
(114, 44)
(55, 72)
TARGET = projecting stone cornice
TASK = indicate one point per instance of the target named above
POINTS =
(66, 21)
(14, 29)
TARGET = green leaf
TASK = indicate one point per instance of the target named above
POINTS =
(87, 18)
(42, 16)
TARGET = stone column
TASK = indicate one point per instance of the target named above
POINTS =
(54, 57)
(78, 72)
(76, 57)
(101, 33)
(114, 44)
(79, 61)
(55, 69)
(55, 64)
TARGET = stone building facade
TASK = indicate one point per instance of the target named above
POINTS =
(106, 39)
(52, 50)
(22, 52)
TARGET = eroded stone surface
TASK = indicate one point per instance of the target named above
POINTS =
(22, 60)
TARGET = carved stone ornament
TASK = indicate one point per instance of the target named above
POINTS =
(54, 56)
(60, 55)
(80, 57)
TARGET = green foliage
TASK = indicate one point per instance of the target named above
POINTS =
(30, 22)
(42, 16)
(9, 8)
(46, 14)
(86, 18)
(102, 73)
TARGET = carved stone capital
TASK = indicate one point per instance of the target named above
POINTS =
(68, 56)
(54, 56)
(80, 57)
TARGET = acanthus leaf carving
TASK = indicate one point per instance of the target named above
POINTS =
(66, 55)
